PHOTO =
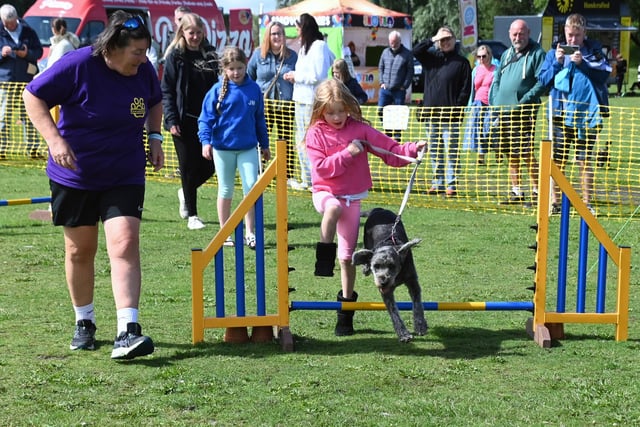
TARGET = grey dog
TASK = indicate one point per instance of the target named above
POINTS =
(387, 254)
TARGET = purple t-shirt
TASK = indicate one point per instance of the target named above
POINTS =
(102, 117)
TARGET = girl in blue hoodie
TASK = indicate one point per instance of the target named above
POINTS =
(230, 127)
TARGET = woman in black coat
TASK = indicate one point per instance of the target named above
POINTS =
(190, 70)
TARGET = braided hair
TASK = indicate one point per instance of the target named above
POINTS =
(230, 55)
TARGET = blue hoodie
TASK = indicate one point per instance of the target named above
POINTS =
(240, 124)
(586, 80)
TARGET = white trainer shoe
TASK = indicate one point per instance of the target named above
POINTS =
(195, 223)
(184, 213)
(295, 185)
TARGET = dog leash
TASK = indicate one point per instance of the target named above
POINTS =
(383, 151)
(412, 179)
(417, 161)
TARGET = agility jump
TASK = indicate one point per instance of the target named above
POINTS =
(543, 327)
(27, 201)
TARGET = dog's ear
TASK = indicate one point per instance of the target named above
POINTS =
(363, 256)
(411, 243)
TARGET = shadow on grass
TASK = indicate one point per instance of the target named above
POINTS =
(441, 342)
(451, 343)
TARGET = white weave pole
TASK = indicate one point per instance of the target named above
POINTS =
(550, 118)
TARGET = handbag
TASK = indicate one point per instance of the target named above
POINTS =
(273, 92)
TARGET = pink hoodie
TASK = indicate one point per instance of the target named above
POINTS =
(335, 170)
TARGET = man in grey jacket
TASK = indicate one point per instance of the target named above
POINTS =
(395, 71)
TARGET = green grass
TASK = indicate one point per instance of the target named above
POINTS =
(473, 368)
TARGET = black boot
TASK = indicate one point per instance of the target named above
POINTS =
(325, 259)
(344, 326)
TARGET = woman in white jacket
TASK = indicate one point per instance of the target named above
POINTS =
(61, 42)
(312, 67)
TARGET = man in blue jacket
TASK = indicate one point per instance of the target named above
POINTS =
(20, 51)
(578, 88)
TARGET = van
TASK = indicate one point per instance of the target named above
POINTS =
(87, 19)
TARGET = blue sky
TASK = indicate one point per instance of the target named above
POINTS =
(267, 5)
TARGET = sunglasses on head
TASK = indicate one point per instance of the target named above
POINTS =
(133, 23)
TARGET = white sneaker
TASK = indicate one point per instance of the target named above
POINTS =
(184, 213)
(195, 223)
(296, 185)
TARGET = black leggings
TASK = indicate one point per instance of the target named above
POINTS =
(195, 170)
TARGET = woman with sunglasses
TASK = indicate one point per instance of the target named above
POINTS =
(108, 94)
(476, 136)
(267, 67)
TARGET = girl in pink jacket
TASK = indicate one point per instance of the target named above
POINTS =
(338, 140)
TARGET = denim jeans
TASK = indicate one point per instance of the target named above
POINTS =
(391, 97)
(11, 109)
(444, 148)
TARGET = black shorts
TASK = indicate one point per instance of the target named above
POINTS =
(565, 138)
(516, 132)
(72, 207)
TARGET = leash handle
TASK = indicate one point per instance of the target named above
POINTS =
(405, 199)
(383, 151)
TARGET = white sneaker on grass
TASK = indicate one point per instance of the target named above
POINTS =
(184, 213)
(195, 223)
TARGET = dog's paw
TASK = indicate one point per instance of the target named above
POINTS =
(405, 337)
(421, 328)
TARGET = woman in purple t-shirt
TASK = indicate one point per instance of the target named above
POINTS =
(107, 94)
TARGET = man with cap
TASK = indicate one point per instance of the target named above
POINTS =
(447, 86)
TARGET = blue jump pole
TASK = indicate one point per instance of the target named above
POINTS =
(429, 306)
(27, 201)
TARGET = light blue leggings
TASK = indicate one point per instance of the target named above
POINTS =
(227, 161)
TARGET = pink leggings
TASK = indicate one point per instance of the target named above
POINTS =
(348, 224)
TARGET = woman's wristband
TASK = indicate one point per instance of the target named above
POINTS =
(155, 135)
